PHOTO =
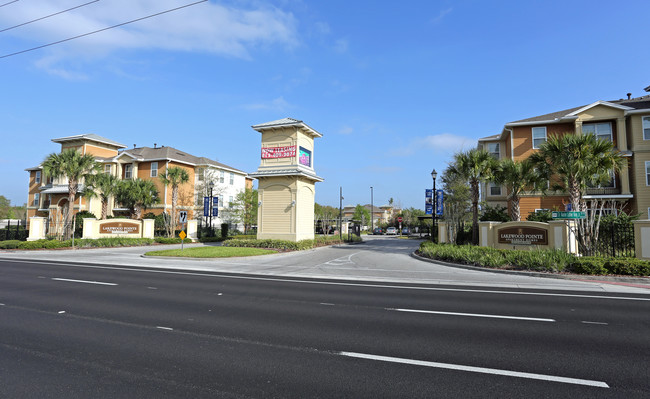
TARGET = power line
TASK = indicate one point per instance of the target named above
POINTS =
(6, 4)
(101, 30)
(47, 16)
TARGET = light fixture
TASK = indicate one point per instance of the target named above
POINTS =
(434, 174)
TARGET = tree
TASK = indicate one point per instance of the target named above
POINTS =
(579, 161)
(518, 176)
(325, 214)
(5, 207)
(361, 214)
(137, 195)
(75, 167)
(475, 167)
(245, 208)
(174, 176)
(457, 204)
(104, 185)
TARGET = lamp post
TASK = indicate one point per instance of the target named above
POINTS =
(341, 213)
(435, 204)
(372, 210)
(211, 186)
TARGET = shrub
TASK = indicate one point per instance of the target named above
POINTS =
(224, 230)
(211, 239)
(588, 265)
(168, 240)
(10, 244)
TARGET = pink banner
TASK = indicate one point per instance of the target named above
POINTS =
(278, 152)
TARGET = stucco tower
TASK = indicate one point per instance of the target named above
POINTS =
(286, 180)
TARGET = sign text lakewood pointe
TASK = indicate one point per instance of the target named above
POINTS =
(119, 228)
(523, 236)
(278, 152)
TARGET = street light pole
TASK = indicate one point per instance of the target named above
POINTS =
(211, 186)
(341, 213)
(435, 204)
(372, 210)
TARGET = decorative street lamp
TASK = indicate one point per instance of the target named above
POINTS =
(372, 209)
(210, 186)
(435, 204)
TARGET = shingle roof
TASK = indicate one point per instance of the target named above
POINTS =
(279, 122)
(89, 137)
(551, 116)
(171, 153)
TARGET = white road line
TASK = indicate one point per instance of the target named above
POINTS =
(595, 322)
(82, 281)
(165, 328)
(327, 304)
(492, 316)
(482, 370)
(403, 287)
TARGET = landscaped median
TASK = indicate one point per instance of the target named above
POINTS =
(212, 252)
(87, 243)
(553, 261)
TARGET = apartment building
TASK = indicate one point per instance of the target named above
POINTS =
(380, 214)
(48, 197)
(625, 122)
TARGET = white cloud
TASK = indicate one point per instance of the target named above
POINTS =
(277, 104)
(341, 46)
(441, 15)
(442, 144)
(346, 130)
(205, 28)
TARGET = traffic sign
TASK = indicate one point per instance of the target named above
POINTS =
(182, 216)
(399, 219)
(182, 235)
(569, 215)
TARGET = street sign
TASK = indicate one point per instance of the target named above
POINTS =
(568, 215)
(182, 216)
(399, 219)
(182, 235)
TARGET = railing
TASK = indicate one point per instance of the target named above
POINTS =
(603, 190)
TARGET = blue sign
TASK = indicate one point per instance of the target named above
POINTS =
(428, 201)
(215, 206)
(439, 199)
(206, 206)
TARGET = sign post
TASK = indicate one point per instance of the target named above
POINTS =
(568, 215)
(182, 218)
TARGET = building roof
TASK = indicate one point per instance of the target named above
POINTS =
(284, 122)
(289, 171)
(173, 154)
(89, 137)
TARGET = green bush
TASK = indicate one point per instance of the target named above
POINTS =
(9, 244)
(211, 239)
(588, 265)
(286, 245)
(168, 240)
(224, 230)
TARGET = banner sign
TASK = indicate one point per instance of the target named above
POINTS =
(215, 206)
(304, 157)
(428, 201)
(206, 206)
(523, 236)
(439, 198)
(279, 152)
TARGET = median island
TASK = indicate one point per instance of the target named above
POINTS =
(212, 252)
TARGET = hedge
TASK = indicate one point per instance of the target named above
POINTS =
(287, 245)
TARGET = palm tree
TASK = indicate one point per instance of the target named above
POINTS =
(75, 167)
(103, 184)
(517, 176)
(174, 176)
(474, 166)
(577, 160)
(137, 195)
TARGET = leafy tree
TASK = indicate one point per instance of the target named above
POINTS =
(105, 186)
(325, 214)
(361, 214)
(137, 195)
(75, 167)
(518, 176)
(540, 216)
(245, 208)
(579, 161)
(174, 176)
(5, 207)
(495, 214)
(475, 167)
(457, 204)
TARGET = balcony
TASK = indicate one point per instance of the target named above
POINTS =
(603, 190)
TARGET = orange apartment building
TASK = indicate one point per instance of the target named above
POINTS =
(625, 122)
(49, 197)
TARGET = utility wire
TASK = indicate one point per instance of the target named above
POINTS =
(6, 4)
(47, 16)
(101, 30)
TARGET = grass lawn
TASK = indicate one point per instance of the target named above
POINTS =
(212, 252)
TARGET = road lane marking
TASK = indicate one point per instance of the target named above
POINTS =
(284, 280)
(327, 304)
(483, 370)
(165, 328)
(82, 281)
(492, 316)
(595, 322)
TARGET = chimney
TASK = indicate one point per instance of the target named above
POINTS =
(154, 145)
(629, 96)
(133, 145)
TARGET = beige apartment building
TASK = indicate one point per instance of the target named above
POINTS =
(625, 122)
(48, 197)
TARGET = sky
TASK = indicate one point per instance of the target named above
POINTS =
(395, 88)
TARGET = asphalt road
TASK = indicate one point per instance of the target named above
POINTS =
(80, 331)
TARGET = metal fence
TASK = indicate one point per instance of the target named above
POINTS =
(14, 230)
(614, 239)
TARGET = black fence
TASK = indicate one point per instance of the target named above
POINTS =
(614, 239)
(14, 230)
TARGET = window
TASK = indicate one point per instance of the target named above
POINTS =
(108, 168)
(37, 199)
(647, 173)
(232, 179)
(128, 171)
(602, 131)
(154, 169)
(539, 136)
(646, 127)
(37, 178)
(494, 189)
(201, 173)
(221, 174)
(493, 149)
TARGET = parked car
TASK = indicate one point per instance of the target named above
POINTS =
(391, 231)
(406, 231)
(378, 231)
